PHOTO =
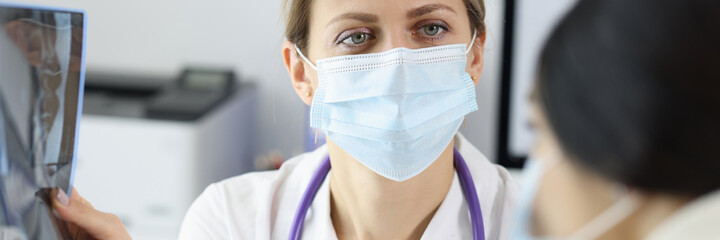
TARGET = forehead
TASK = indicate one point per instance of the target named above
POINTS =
(325, 10)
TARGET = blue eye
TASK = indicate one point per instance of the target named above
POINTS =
(355, 39)
(431, 29)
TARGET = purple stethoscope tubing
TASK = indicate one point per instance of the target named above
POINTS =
(463, 174)
(470, 196)
(312, 189)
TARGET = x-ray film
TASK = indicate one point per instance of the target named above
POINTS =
(41, 79)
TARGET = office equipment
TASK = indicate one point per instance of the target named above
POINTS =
(195, 93)
(146, 158)
(42, 70)
(527, 25)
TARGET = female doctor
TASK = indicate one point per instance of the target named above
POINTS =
(389, 83)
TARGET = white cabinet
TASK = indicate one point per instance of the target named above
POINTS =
(148, 172)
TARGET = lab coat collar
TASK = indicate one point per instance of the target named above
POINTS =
(451, 220)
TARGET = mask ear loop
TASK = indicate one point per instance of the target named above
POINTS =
(313, 67)
(608, 219)
(308, 60)
(472, 43)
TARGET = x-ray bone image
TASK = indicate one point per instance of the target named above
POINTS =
(40, 72)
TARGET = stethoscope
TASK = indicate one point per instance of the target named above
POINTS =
(463, 174)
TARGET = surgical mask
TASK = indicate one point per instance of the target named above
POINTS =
(532, 175)
(395, 111)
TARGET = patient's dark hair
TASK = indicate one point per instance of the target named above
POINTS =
(631, 89)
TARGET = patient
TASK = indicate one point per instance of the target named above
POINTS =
(627, 110)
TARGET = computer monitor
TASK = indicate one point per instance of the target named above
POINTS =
(528, 24)
(41, 77)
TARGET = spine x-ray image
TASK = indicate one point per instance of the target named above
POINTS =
(40, 72)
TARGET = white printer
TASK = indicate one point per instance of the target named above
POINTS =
(147, 149)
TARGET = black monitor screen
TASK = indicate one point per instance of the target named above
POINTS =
(528, 24)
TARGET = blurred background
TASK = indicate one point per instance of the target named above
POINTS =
(180, 94)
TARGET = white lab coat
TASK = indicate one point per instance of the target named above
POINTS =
(262, 205)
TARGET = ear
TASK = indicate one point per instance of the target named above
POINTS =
(296, 69)
(476, 58)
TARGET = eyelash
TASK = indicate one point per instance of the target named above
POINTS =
(344, 36)
(435, 38)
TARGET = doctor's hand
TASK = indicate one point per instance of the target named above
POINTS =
(84, 221)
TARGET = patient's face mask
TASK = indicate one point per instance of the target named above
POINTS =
(394, 111)
(533, 173)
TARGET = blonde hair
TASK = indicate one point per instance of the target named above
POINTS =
(297, 19)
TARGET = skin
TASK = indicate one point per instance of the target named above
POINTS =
(561, 206)
(365, 205)
(84, 221)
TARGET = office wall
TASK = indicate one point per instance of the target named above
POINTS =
(154, 37)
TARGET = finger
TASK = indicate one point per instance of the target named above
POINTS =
(76, 210)
(74, 230)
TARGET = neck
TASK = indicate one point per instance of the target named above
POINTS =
(573, 196)
(654, 209)
(365, 205)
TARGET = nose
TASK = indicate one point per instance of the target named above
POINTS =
(397, 38)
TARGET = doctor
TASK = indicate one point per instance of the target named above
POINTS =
(389, 83)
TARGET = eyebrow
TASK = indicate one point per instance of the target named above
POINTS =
(362, 17)
(417, 12)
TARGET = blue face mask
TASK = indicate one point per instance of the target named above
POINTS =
(531, 175)
(395, 111)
